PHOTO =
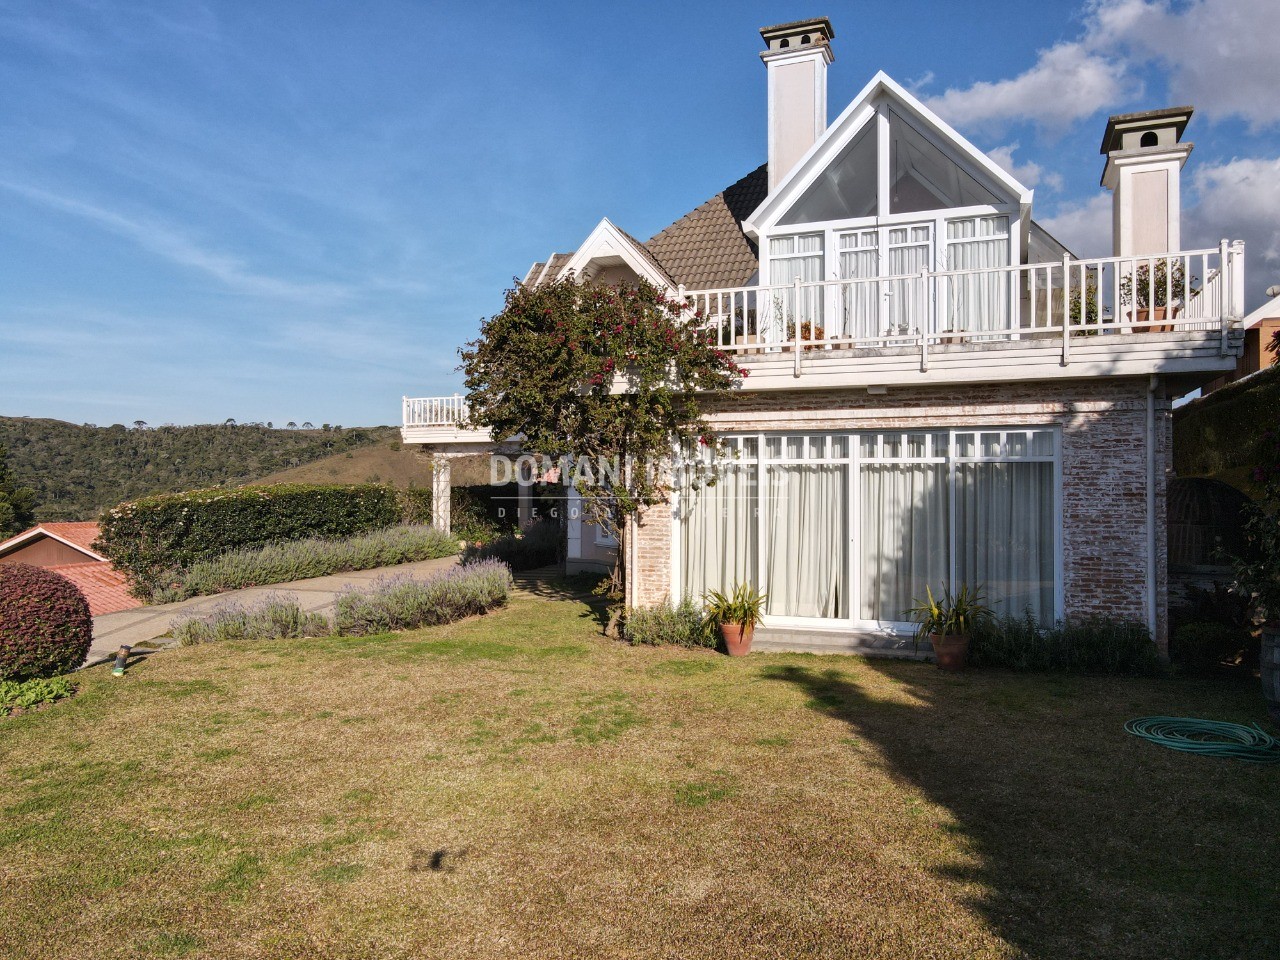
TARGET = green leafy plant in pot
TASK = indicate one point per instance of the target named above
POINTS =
(948, 621)
(736, 615)
(1158, 288)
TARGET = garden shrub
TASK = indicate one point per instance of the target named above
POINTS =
(1199, 646)
(1097, 645)
(301, 559)
(274, 617)
(536, 546)
(399, 603)
(45, 626)
(25, 694)
(681, 625)
(415, 505)
(148, 537)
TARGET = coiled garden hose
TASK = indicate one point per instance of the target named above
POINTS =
(1210, 738)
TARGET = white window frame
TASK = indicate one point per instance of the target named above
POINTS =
(742, 444)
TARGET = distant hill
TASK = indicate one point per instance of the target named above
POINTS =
(1223, 435)
(386, 462)
(78, 470)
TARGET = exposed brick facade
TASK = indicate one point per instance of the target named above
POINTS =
(1104, 473)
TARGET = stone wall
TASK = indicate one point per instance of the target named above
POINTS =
(1104, 473)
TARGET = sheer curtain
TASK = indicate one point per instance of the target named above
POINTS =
(904, 536)
(909, 251)
(791, 259)
(808, 539)
(978, 302)
(718, 530)
(1004, 534)
(860, 260)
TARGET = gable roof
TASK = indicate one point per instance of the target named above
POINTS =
(78, 536)
(103, 586)
(707, 247)
(846, 126)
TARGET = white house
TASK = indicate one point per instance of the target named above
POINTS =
(939, 391)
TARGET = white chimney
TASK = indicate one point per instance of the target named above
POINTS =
(1145, 155)
(796, 59)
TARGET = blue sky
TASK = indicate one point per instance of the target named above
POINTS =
(298, 211)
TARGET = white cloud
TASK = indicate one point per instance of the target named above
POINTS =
(1220, 56)
(1029, 174)
(1239, 200)
(1068, 82)
(1085, 228)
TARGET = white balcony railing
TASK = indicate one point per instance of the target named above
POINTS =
(1191, 290)
(435, 411)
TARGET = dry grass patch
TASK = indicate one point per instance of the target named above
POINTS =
(516, 786)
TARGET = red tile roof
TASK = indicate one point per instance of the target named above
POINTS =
(102, 585)
(78, 535)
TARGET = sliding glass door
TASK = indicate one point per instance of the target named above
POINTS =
(851, 528)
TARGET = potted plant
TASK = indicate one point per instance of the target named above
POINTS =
(810, 334)
(1158, 288)
(948, 622)
(1258, 574)
(736, 615)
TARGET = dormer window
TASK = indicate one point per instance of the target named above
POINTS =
(922, 177)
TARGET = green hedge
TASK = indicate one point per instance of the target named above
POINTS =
(147, 537)
(1223, 435)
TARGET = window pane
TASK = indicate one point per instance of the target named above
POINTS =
(750, 447)
(1016, 445)
(965, 445)
(846, 189)
(991, 444)
(781, 246)
(839, 447)
(1004, 535)
(915, 445)
(808, 540)
(904, 536)
(773, 446)
(1042, 443)
(718, 530)
(868, 445)
(922, 177)
(892, 445)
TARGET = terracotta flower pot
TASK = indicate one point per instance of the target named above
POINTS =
(950, 650)
(1151, 319)
(737, 638)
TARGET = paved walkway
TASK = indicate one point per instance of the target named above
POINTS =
(143, 624)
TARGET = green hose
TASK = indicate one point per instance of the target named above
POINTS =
(1210, 738)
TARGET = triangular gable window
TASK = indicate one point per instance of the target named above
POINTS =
(923, 178)
(846, 189)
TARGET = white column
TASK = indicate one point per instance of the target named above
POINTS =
(441, 469)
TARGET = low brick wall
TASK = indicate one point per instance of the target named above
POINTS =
(1104, 473)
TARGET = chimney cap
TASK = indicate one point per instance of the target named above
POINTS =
(785, 31)
(1122, 123)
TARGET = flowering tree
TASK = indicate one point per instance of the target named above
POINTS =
(609, 376)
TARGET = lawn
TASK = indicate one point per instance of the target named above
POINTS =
(517, 786)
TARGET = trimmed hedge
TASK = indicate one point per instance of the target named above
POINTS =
(302, 559)
(147, 537)
(45, 626)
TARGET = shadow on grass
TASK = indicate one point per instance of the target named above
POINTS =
(1086, 842)
(550, 583)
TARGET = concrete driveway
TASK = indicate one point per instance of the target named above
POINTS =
(317, 595)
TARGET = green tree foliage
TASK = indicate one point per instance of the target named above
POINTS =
(78, 471)
(17, 503)
(546, 368)
(1258, 574)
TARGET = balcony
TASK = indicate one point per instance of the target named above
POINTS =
(441, 422)
(1176, 314)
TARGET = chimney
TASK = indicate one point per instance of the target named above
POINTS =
(796, 58)
(1145, 155)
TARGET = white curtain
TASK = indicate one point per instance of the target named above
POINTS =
(861, 301)
(718, 530)
(791, 259)
(904, 536)
(1004, 534)
(908, 300)
(978, 302)
(808, 538)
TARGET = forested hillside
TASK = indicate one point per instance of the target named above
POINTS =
(76, 471)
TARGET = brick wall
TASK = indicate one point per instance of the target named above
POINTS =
(1104, 483)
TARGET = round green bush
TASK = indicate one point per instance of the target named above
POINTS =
(45, 626)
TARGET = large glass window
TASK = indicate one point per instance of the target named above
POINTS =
(978, 301)
(846, 189)
(791, 259)
(922, 177)
(855, 527)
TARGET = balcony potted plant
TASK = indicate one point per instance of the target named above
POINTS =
(736, 616)
(744, 321)
(948, 621)
(810, 334)
(1159, 288)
